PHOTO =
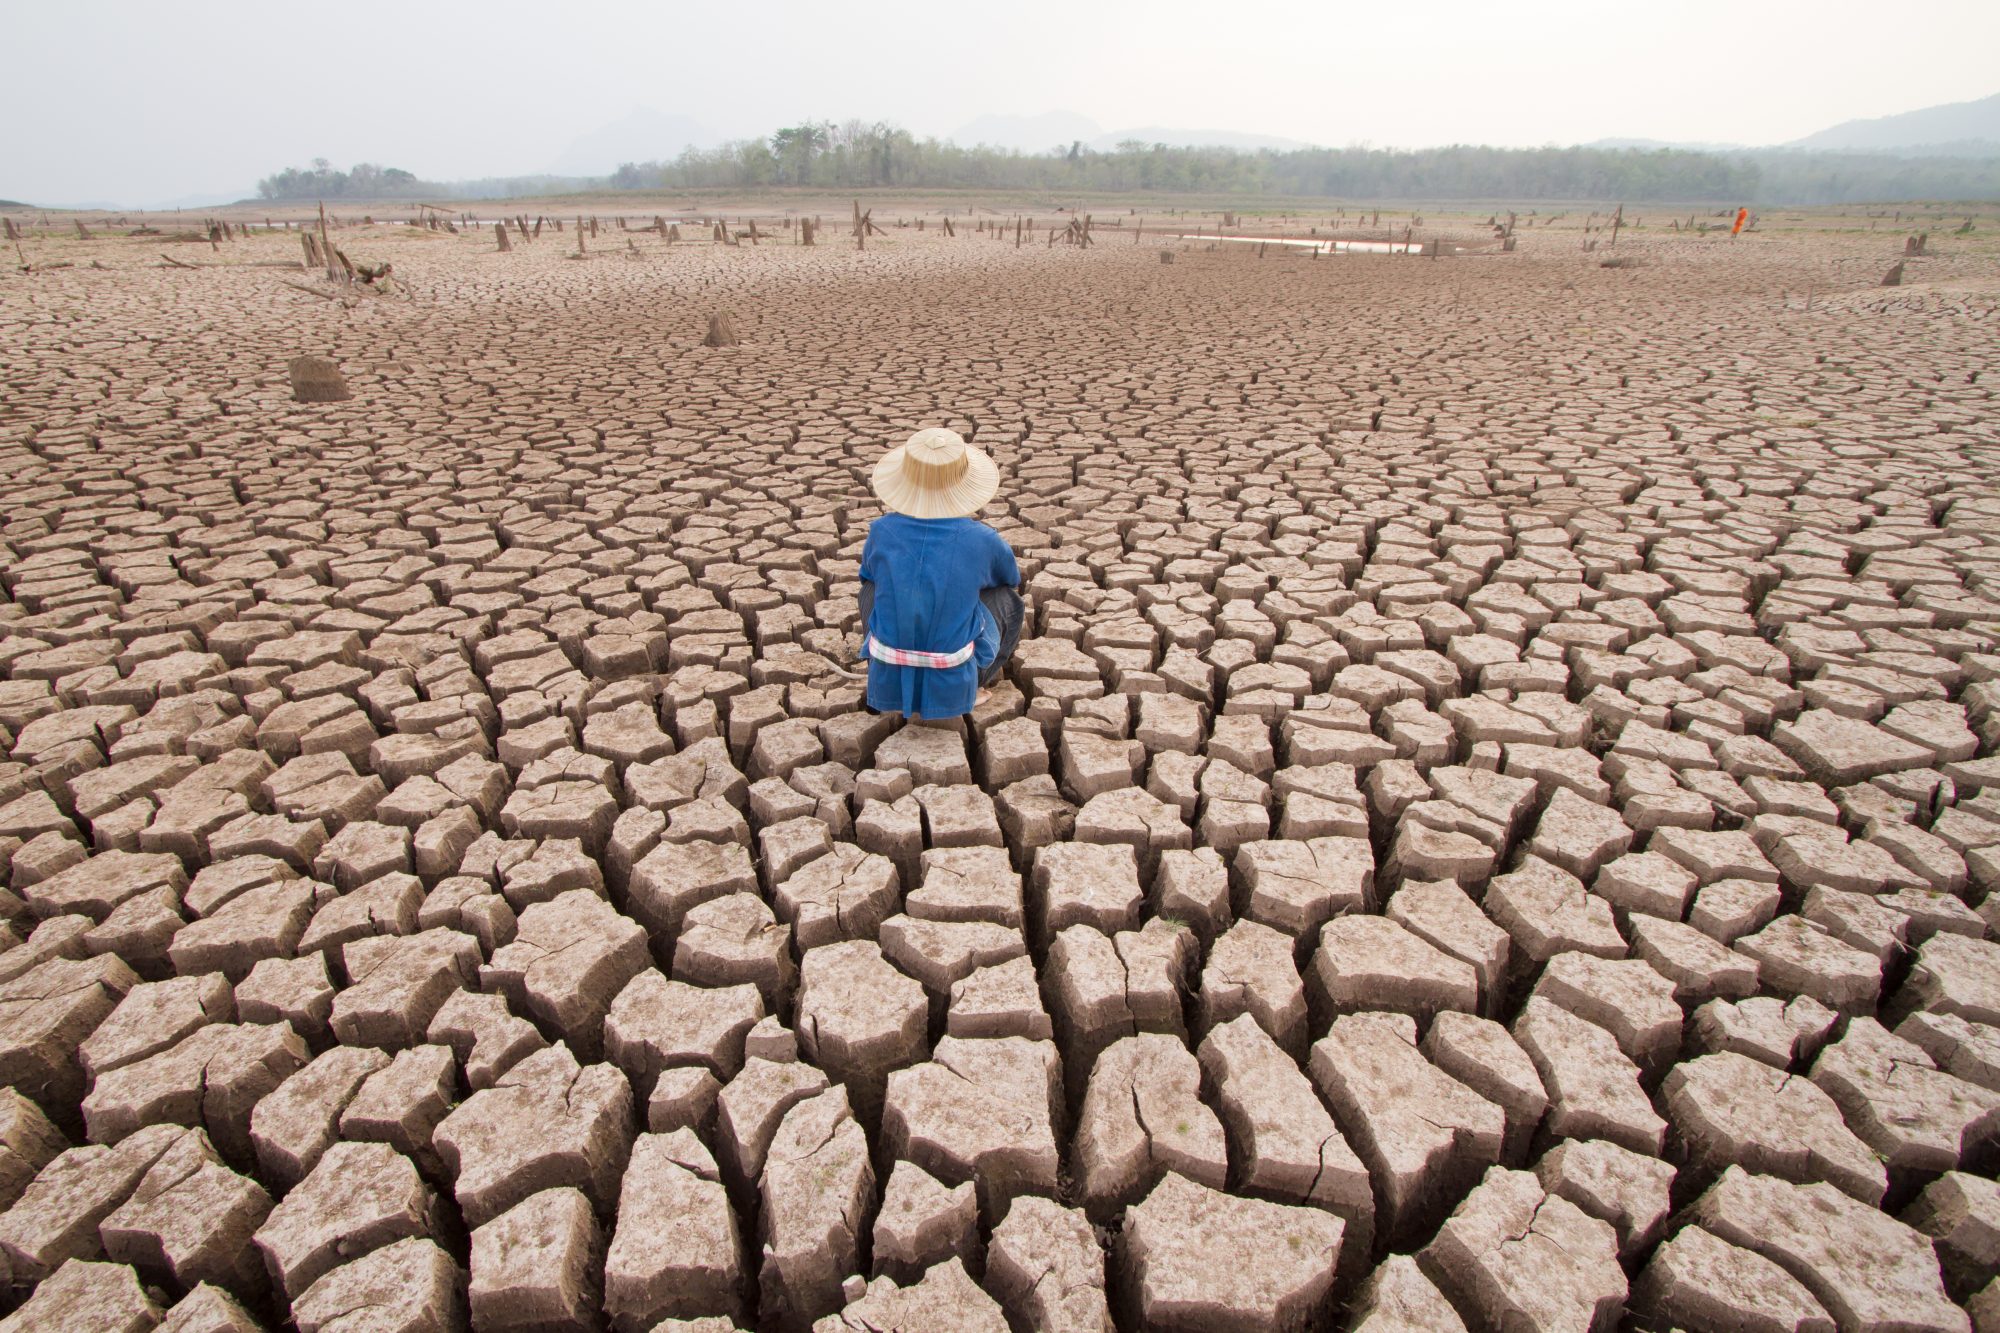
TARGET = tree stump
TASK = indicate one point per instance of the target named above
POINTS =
(721, 331)
(500, 235)
(1166, 256)
(1894, 277)
(315, 379)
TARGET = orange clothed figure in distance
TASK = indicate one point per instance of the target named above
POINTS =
(1742, 216)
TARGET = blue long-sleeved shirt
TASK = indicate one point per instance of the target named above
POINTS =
(928, 574)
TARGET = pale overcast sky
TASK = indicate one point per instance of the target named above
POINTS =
(138, 103)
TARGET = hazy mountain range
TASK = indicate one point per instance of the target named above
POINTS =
(1961, 127)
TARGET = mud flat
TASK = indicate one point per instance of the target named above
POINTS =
(1495, 823)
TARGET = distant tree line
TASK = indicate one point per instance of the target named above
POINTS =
(857, 156)
(364, 180)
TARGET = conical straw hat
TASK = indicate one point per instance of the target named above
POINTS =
(935, 475)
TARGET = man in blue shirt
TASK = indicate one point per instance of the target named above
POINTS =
(938, 588)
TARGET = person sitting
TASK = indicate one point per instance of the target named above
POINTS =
(940, 604)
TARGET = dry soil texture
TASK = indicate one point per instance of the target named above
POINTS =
(1495, 823)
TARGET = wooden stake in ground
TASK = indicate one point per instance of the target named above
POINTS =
(500, 236)
(326, 247)
(721, 331)
(1617, 221)
(317, 380)
(579, 238)
(1894, 277)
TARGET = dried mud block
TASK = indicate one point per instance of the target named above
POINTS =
(655, 1024)
(484, 1034)
(1961, 1214)
(1969, 1050)
(293, 1126)
(1646, 884)
(1425, 1136)
(931, 754)
(845, 894)
(1091, 884)
(982, 1111)
(1033, 814)
(1398, 1298)
(1193, 887)
(676, 1252)
(1702, 1283)
(211, 1080)
(1194, 1258)
(1297, 887)
(1103, 988)
(1545, 911)
(1484, 1056)
(98, 886)
(750, 1109)
(1369, 963)
(1010, 751)
(1142, 1116)
(1579, 835)
(675, 878)
(153, 1016)
(411, 1286)
(735, 940)
(1046, 1267)
(397, 984)
(1250, 970)
(208, 1309)
(1780, 1033)
(315, 379)
(189, 1220)
(1957, 976)
(28, 1142)
(46, 1013)
(817, 1193)
(922, 1223)
(537, 1265)
(1730, 1109)
(360, 1197)
(1836, 750)
(1912, 1114)
(943, 1297)
(859, 1018)
(1699, 968)
(1521, 1257)
(569, 959)
(1625, 997)
(968, 884)
(1441, 914)
(56, 1217)
(401, 1105)
(1000, 1000)
(83, 1297)
(1629, 1190)
(1593, 1086)
(1866, 1269)
(547, 1122)
(1729, 909)
(1283, 1144)
(1796, 957)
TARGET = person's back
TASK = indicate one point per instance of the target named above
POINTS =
(931, 641)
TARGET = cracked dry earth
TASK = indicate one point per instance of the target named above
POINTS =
(1495, 823)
